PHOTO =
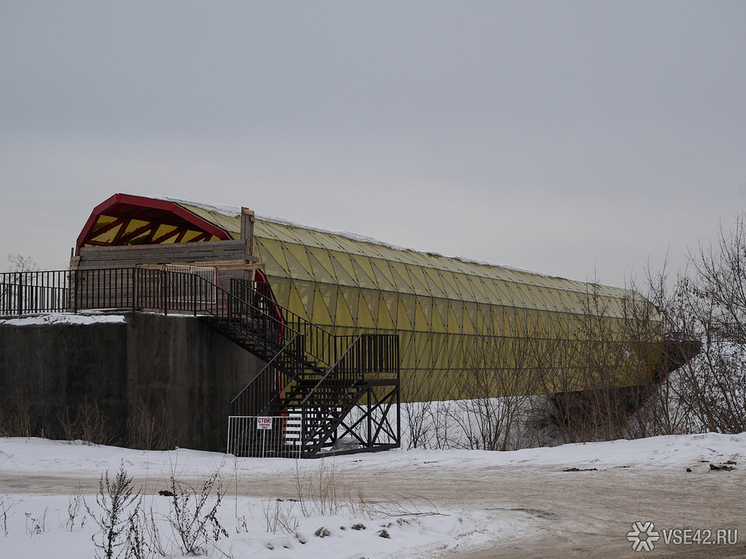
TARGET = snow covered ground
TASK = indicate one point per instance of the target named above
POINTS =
(345, 510)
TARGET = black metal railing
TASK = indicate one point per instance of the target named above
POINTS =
(320, 345)
(262, 396)
(137, 289)
(33, 292)
(368, 354)
(66, 291)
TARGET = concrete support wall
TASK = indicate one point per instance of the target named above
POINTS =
(172, 364)
(192, 369)
(49, 370)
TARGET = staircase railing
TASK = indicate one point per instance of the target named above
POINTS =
(324, 383)
(319, 345)
(370, 357)
(312, 354)
(141, 289)
(368, 353)
(261, 396)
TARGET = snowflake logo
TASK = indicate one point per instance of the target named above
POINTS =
(643, 536)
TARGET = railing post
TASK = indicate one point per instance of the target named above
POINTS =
(303, 432)
(398, 390)
(20, 292)
(370, 421)
(134, 288)
(75, 290)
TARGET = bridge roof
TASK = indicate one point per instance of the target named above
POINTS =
(295, 252)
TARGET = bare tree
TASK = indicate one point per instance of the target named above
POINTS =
(707, 308)
(600, 366)
(12, 283)
(20, 263)
(495, 387)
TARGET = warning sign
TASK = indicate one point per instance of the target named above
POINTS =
(264, 423)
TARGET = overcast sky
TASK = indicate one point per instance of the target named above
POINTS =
(568, 138)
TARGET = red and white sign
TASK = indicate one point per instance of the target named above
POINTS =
(264, 423)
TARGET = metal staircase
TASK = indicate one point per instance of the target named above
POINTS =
(343, 391)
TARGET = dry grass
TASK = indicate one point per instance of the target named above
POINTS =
(89, 425)
(148, 428)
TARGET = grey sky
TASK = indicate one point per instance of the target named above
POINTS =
(559, 137)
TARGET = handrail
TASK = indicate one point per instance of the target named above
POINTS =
(316, 346)
(318, 343)
(136, 289)
(359, 371)
(183, 291)
(270, 301)
(331, 370)
(340, 388)
(260, 378)
(33, 292)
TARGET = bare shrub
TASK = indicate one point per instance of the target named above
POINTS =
(602, 368)
(6, 504)
(36, 526)
(427, 423)
(495, 387)
(322, 490)
(705, 313)
(11, 289)
(74, 506)
(711, 387)
(327, 491)
(416, 417)
(404, 506)
(20, 263)
(667, 411)
(118, 503)
(144, 536)
(596, 362)
(193, 515)
(137, 546)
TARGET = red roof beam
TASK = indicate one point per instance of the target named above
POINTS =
(173, 211)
